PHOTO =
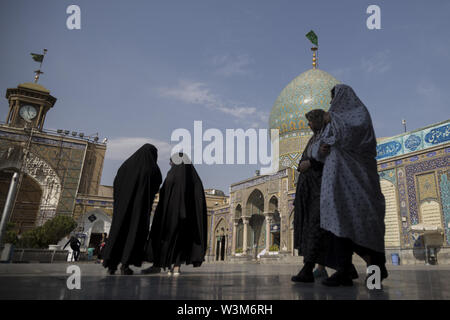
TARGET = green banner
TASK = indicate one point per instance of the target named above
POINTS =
(37, 57)
(312, 37)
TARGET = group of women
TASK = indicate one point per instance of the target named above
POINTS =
(339, 208)
(178, 231)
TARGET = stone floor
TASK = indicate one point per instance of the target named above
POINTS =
(216, 282)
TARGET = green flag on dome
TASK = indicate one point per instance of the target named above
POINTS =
(312, 37)
(37, 57)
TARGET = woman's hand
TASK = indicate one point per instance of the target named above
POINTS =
(304, 165)
(324, 149)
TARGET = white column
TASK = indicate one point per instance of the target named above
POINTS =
(219, 249)
(268, 223)
(244, 245)
(235, 225)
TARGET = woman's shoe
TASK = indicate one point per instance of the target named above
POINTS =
(151, 270)
(338, 279)
(320, 273)
(126, 271)
(111, 272)
(303, 276)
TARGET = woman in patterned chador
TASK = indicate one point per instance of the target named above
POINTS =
(311, 241)
(351, 203)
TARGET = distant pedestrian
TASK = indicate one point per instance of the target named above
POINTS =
(75, 245)
(101, 246)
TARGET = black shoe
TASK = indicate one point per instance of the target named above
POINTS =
(126, 271)
(151, 270)
(353, 273)
(338, 279)
(303, 276)
(111, 272)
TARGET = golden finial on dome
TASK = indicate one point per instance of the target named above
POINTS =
(314, 40)
(314, 49)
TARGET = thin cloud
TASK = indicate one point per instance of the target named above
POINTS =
(378, 63)
(432, 95)
(200, 94)
(428, 90)
(341, 73)
(123, 147)
(229, 65)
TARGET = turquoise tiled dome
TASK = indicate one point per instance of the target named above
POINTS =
(310, 90)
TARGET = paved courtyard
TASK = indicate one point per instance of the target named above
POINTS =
(215, 282)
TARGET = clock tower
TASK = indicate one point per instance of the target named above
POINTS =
(29, 102)
(28, 105)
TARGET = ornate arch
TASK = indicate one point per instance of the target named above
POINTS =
(238, 212)
(255, 203)
(50, 183)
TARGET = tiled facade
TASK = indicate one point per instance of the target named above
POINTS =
(421, 166)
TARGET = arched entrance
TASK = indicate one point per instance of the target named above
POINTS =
(255, 210)
(275, 225)
(39, 180)
(27, 203)
(257, 239)
(239, 229)
(94, 224)
(220, 236)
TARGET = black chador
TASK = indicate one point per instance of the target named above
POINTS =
(135, 185)
(311, 241)
(179, 229)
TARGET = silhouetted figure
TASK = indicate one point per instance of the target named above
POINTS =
(135, 185)
(75, 245)
(312, 242)
(179, 229)
(101, 246)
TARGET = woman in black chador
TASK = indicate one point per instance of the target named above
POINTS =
(135, 185)
(311, 241)
(179, 229)
(309, 238)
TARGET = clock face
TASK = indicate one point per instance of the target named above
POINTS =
(28, 112)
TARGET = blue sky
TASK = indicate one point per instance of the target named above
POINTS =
(137, 70)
